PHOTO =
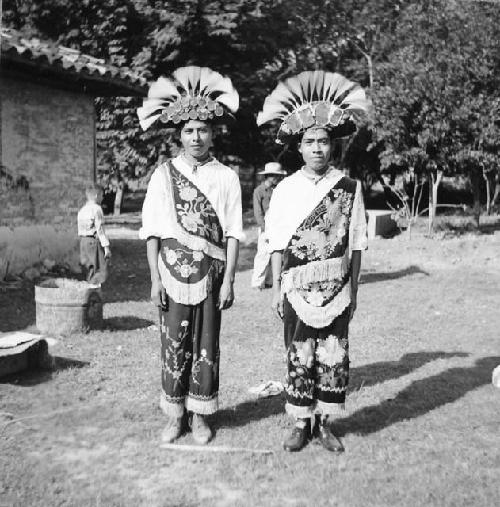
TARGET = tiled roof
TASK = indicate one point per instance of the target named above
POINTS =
(16, 48)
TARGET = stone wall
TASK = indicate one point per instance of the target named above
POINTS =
(46, 153)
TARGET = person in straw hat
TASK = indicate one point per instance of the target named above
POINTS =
(192, 222)
(316, 228)
(273, 173)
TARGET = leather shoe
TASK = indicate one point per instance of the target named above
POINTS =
(202, 433)
(173, 430)
(298, 438)
(328, 439)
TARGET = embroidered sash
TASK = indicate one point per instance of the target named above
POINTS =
(191, 263)
(316, 265)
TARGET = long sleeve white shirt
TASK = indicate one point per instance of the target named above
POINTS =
(91, 222)
(296, 196)
(219, 183)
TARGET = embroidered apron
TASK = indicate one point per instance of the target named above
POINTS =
(192, 262)
(316, 265)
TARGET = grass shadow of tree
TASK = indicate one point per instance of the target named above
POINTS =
(371, 374)
(419, 398)
(17, 309)
(373, 277)
(377, 373)
(125, 323)
(35, 376)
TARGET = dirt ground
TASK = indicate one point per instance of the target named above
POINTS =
(422, 421)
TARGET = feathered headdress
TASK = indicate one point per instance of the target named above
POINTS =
(315, 98)
(193, 93)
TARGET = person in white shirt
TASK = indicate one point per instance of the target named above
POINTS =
(316, 227)
(95, 251)
(261, 274)
(192, 222)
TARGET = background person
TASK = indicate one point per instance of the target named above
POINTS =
(262, 273)
(95, 251)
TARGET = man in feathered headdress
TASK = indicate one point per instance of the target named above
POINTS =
(192, 222)
(317, 229)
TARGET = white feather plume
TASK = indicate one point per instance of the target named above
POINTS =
(202, 81)
(146, 121)
(193, 82)
(231, 100)
(163, 88)
(307, 87)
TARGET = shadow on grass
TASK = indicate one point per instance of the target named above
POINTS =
(369, 375)
(391, 275)
(377, 373)
(35, 376)
(17, 308)
(250, 411)
(125, 323)
(420, 397)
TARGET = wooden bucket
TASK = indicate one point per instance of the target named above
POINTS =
(65, 306)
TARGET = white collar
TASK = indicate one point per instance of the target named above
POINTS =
(331, 173)
(194, 168)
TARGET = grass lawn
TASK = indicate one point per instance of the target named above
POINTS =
(423, 419)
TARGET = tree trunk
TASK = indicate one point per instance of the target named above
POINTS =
(475, 180)
(491, 179)
(496, 193)
(488, 194)
(434, 182)
(369, 61)
(118, 199)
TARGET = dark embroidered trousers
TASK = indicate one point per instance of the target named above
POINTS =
(317, 365)
(190, 356)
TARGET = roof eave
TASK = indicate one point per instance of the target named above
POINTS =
(92, 83)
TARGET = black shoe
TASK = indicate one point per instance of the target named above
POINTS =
(328, 439)
(298, 438)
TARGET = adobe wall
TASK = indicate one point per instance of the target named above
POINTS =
(47, 152)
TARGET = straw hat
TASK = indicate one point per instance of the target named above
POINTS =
(273, 169)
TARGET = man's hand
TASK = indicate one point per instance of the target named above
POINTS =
(159, 295)
(107, 252)
(277, 303)
(353, 305)
(226, 295)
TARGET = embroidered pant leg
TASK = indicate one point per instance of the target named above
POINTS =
(300, 342)
(176, 357)
(332, 366)
(261, 266)
(204, 379)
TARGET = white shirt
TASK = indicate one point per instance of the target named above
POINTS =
(219, 183)
(296, 196)
(90, 222)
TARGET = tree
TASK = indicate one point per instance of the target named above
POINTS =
(431, 89)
